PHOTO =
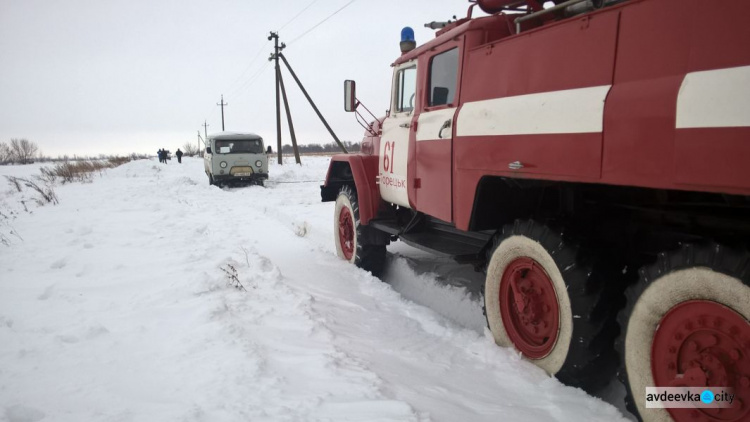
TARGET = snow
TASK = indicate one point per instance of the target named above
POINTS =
(115, 305)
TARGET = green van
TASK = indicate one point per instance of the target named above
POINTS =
(235, 158)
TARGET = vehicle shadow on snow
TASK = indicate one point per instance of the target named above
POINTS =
(450, 289)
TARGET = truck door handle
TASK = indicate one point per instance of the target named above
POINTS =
(404, 125)
(516, 165)
(446, 125)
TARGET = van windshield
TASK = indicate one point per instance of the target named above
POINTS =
(242, 146)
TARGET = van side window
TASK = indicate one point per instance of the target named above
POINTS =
(443, 77)
(406, 87)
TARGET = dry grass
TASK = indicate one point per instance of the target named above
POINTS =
(41, 188)
(118, 161)
(45, 191)
(80, 171)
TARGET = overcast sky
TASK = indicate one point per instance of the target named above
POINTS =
(121, 76)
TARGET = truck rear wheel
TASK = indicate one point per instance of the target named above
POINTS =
(350, 235)
(539, 298)
(686, 324)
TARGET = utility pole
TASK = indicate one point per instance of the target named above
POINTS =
(222, 104)
(289, 120)
(280, 86)
(205, 132)
(200, 151)
(320, 116)
(275, 57)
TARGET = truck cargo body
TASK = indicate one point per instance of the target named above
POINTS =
(604, 156)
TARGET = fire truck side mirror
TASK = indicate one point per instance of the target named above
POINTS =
(350, 98)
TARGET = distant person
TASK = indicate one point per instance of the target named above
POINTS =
(269, 150)
(165, 154)
(179, 155)
(160, 155)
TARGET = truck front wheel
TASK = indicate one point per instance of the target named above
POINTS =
(350, 235)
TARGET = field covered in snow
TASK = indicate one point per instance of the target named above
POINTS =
(116, 305)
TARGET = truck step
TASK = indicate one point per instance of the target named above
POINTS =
(389, 226)
(446, 244)
(439, 238)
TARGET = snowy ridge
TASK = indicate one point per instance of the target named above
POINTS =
(114, 307)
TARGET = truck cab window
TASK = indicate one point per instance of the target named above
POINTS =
(443, 77)
(406, 88)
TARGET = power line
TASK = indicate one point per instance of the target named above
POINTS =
(248, 83)
(210, 113)
(297, 15)
(233, 95)
(257, 55)
(252, 62)
(321, 22)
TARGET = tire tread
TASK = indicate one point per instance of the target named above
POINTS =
(731, 262)
(591, 361)
(367, 256)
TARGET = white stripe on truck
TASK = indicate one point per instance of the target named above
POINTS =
(568, 111)
(715, 98)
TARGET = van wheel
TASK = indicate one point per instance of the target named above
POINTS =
(686, 324)
(349, 235)
(540, 298)
(211, 180)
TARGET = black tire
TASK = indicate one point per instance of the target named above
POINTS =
(582, 354)
(708, 272)
(369, 257)
(211, 180)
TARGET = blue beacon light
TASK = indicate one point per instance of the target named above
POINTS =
(407, 34)
(407, 40)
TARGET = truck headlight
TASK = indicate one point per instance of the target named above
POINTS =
(223, 164)
(258, 163)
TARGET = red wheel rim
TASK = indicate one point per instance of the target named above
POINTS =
(346, 233)
(529, 308)
(704, 344)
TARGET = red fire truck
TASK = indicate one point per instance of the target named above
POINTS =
(593, 157)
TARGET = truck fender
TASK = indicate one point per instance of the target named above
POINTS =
(359, 171)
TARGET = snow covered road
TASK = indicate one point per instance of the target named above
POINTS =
(116, 306)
